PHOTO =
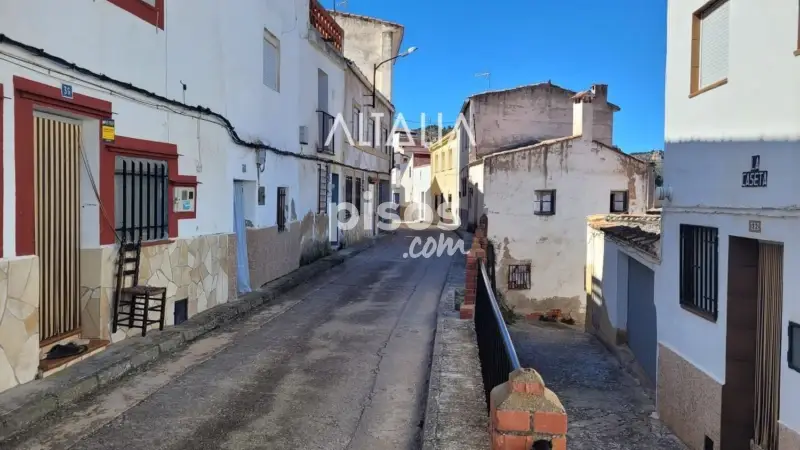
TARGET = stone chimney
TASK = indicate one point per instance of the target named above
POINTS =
(583, 115)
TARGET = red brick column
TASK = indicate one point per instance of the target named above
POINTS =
(474, 257)
(524, 411)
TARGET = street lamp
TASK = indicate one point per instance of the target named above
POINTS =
(377, 66)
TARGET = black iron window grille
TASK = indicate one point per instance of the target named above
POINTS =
(371, 132)
(699, 264)
(356, 123)
(544, 203)
(619, 202)
(325, 133)
(519, 276)
(358, 195)
(141, 203)
(324, 177)
(794, 346)
(348, 196)
(281, 209)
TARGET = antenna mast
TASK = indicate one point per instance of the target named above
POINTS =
(488, 76)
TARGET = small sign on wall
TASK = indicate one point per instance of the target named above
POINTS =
(66, 91)
(754, 226)
(184, 199)
(108, 130)
(755, 177)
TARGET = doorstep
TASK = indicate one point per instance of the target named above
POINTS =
(48, 367)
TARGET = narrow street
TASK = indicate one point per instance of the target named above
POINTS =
(607, 409)
(339, 363)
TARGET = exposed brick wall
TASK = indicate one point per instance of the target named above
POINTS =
(523, 411)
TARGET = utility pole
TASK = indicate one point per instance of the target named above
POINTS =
(488, 76)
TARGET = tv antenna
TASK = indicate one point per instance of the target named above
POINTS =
(488, 76)
(342, 3)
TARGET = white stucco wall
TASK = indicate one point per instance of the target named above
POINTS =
(709, 143)
(475, 207)
(583, 174)
(370, 41)
(226, 77)
(537, 112)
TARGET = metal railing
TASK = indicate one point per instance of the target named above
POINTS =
(495, 349)
(326, 122)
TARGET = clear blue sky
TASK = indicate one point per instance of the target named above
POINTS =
(573, 43)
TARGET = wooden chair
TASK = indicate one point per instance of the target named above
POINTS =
(139, 301)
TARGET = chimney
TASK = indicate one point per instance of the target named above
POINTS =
(583, 115)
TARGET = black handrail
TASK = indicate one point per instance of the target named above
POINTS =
(495, 349)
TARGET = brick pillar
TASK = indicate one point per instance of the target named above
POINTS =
(524, 411)
(475, 255)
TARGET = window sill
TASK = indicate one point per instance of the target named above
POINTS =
(544, 214)
(711, 86)
(702, 314)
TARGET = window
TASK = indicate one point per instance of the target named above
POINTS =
(450, 159)
(519, 276)
(141, 203)
(151, 11)
(371, 132)
(348, 195)
(545, 203)
(385, 140)
(710, 47)
(324, 175)
(272, 61)
(698, 270)
(281, 209)
(794, 346)
(358, 195)
(356, 122)
(463, 190)
(619, 202)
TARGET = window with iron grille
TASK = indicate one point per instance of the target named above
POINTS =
(519, 276)
(281, 209)
(619, 202)
(544, 203)
(699, 253)
(324, 177)
(141, 203)
(348, 195)
(356, 123)
(371, 133)
(358, 195)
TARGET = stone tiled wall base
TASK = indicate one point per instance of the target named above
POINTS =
(689, 401)
(232, 279)
(788, 439)
(197, 269)
(272, 254)
(19, 321)
(314, 239)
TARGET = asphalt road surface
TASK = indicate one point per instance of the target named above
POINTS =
(339, 363)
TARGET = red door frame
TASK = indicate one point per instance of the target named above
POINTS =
(27, 95)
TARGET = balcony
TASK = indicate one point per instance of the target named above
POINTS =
(325, 123)
(324, 23)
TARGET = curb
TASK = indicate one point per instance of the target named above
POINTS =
(432, 407)
(22, 406)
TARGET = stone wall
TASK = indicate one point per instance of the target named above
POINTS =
(272, 254)
(19, 321)
(198, 269)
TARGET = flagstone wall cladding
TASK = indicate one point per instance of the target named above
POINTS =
(19, 321)
(272, 254)
(199, 269)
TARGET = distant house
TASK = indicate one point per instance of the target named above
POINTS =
(537, 198)
(512, 118)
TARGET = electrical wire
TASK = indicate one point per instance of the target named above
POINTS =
(103, 211)
(174, 106)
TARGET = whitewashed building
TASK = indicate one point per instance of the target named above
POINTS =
(101, 144)
(729, 339)
(537, 198)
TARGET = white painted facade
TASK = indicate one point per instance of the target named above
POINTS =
(710, 139)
